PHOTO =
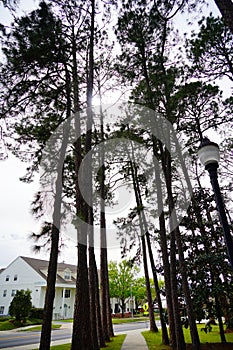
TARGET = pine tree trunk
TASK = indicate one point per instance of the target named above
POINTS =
(136, 187)
(106, 314)
(226, 9)
(165, 339)
(88, 188)
(180, 342)
(164, 250)
(82, 326)
(182, 265)
(52, 268)
(179, 336)
(81, 336)
(142, 217)
(109, 310)
(100, 332)
(153, 327)
(50, 291)
(93, 298)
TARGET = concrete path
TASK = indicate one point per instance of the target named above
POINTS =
(134, 341)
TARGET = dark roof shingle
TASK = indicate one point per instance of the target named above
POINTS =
(39, 265)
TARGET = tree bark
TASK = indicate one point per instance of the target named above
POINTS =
(89, 190)
(82, 335)
(226, 9)
(142, 217)
(45, 338)
(153, 326)
(193, 328)
(106, 313)
(165, 339)
(165, 254)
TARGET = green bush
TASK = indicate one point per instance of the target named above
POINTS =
(21, 305)
(36, 313)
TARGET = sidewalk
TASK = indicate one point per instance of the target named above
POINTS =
(134, 341)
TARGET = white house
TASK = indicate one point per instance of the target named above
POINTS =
(29, 273)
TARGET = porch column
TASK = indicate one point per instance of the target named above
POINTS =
(63, 301)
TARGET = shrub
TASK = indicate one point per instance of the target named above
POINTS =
(36, 313)
(21, 305)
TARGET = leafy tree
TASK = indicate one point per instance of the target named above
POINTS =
(44, 66)
(34, 52)
(139, 292)
(10, 4)
(208, 271)
(121, 279)
(21, 305)
(211, 49)
(156, 83)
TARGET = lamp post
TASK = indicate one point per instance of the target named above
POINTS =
(131, 300)
(209, 156)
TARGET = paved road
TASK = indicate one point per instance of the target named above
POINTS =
(13, 338)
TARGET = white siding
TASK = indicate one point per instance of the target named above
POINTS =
(20, 276)
(28, 278)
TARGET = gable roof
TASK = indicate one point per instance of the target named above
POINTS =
(40, 265)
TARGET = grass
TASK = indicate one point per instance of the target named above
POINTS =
(209, 341)
(128, 320)
(11, 323)
(114, 344)
(120, 320)
(8, 325)
(38, 328)
(5, 318)
(68, 320)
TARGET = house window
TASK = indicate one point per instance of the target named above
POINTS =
(4, 293)
(7, 278)
(15, 277)
(67, 293)
(1, 310)
(13, 292)
(67, 275)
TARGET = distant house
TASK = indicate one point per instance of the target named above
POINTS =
(29, 273)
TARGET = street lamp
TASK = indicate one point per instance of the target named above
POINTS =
(209, 156)
(131, 300)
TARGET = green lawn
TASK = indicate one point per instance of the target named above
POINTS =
(154, 339)
(11, 323)
(128, 320)
(114, 344)
(38, 328)
(120, 320)
(68, 320)
(7, 325)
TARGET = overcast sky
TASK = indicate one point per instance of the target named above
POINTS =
(15, 197)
